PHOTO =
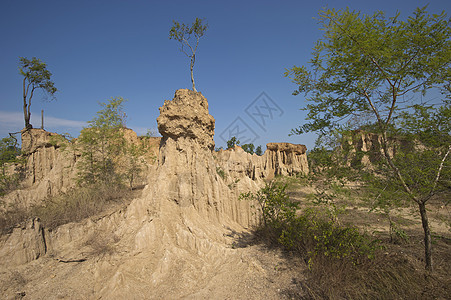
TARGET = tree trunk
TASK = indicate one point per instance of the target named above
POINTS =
(29, 108)
(25, 111)
(427, 236)
(26, 116)
(193, 58)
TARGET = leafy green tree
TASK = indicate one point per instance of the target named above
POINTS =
(259, 151)
(370, 64)
(36, 76)
(102, 143)
(9, 154)
(134, 164)
(249, 148)
(232, 142)
(183, 33)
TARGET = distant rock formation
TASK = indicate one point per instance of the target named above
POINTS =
(362, 148)
(51, 165)
(279, 159)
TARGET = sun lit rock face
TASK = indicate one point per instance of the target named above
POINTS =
(297, 149)
(174, 238)
(287, 159)
(187, 172)
(187, 116)
(278, 159)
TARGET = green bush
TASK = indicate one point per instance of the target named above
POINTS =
(11, 165)
(312, 233)
(275, 205)
(221, 173)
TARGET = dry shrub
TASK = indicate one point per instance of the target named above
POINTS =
(78, 204)
(391, 275)
(381, 278)
(102, 244)
(12, 217)
(343, 263)
(73, 206)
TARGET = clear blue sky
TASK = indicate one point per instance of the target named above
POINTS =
(102, 49)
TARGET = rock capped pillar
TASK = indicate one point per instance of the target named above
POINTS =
(186, 117)
(187, 172)
(287, 158)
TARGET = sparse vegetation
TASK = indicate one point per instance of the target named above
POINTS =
(221, 173)
(249, 148)
(108, 163)
(78, 204)
(343, 260)
(73, 206)
(259, 151)
(101, 145)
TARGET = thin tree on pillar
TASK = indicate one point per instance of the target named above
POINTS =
(183, 33)
(36, 76)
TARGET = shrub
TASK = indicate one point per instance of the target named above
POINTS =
(11, 165)
(312, 233)
(221, 173)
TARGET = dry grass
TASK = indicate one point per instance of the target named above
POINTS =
(102, 244)
(11, 217)
(78, 204)
(74, 206)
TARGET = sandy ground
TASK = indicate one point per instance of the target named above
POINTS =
(235, 266)
(252, 272)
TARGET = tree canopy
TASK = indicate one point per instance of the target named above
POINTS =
(36, 76)
(378, 68)
(370, 63)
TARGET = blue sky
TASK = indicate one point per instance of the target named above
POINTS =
(102, 49)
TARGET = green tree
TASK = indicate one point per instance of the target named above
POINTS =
(36, 76)
(232, 142)
(183, 33)
(11, 166)
(259, 151)
(368, 63)
(249, 148)
(102, 143)
(134, 164)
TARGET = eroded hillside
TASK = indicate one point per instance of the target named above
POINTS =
(177, 239)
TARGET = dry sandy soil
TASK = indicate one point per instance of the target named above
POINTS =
(239, 266)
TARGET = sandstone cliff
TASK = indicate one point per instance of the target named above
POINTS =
(51, 165)
(279, 159)
(48, 169)
(361, 148)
